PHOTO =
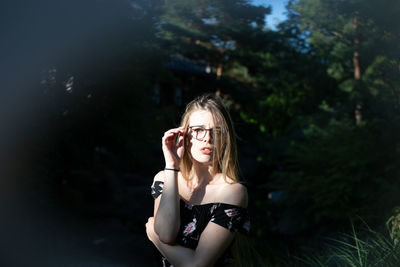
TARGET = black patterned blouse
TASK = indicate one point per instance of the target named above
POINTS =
(194, 219)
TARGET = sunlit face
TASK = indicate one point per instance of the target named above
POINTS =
(201, 148)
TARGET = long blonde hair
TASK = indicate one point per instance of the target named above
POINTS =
(225, 149)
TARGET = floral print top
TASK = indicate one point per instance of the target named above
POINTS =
(194, 219)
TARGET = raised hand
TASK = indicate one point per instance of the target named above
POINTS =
(172, 146)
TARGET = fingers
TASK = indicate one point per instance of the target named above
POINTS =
(173, 133)
(150, 220)
(172, 146)
(179, 140)
(151, 235)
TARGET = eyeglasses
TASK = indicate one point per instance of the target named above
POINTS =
(199, 132)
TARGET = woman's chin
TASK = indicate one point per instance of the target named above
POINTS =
(203, 159)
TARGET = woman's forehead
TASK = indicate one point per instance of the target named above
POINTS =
(201, 117)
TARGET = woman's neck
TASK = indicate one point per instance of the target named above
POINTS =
(201, 174)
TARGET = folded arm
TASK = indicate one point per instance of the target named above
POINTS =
(213, 242)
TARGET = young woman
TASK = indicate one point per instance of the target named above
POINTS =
(200, 206)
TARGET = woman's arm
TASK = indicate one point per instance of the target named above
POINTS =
(167, 207)
(213, 242)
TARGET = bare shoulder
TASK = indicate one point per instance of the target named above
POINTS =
(233, 193)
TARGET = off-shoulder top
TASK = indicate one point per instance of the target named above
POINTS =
(194, 219)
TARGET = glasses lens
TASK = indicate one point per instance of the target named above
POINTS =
(198, 132)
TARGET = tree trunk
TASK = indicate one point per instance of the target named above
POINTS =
(219, 71)
(357, 70)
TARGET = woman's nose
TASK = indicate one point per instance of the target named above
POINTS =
(208, 137)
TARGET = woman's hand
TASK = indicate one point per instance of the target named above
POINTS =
(214, 240)
(151, 235)
(172, 146)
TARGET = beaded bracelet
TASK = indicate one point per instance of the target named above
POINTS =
(171, 169)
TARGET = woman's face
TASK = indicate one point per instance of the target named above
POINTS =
(201, 127)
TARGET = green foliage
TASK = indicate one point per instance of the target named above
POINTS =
(340, 172)
(358, 249)
(339, 30)
(393, 225)
(292, 95)
(213, 32)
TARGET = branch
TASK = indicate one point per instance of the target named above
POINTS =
(341, 36)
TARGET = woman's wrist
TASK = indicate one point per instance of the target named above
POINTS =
(172, 169)
(171, 166)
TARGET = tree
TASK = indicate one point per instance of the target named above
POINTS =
(335, 167)
(209, 31)
(347, 35)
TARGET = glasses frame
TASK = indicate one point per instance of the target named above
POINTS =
(210, 130)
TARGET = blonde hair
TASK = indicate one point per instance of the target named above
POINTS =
(225, 149)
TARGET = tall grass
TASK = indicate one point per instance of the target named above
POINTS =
(393, 225)
(357, 249)
(361, 247)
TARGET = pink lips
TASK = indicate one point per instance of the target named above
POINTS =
(206, 150)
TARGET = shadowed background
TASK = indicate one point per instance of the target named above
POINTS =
(89, 87)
